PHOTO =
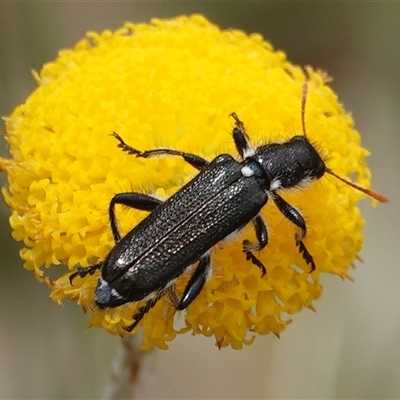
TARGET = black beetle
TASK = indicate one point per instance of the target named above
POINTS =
(223, 198)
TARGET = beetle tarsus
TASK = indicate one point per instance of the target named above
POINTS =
(142, 311)
(82, 272)
(251, 257)
(306, 255)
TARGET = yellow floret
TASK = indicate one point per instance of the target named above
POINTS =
(173, 83)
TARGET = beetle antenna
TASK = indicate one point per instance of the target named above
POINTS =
(370, 193)
(303, 107)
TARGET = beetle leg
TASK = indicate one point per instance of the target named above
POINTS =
(192, 159)
(262, 240)
(82, 272)
(295, 217)
(196, 283)
(135, 200)
(143, 310)
(241, 139)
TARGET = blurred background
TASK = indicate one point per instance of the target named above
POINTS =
(350, 348)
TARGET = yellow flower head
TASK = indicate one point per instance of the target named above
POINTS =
(172, 84)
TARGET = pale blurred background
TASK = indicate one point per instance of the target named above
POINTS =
(350, 348)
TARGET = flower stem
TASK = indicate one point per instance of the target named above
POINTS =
(126, 369)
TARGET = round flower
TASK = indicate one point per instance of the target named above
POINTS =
(172, 84)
